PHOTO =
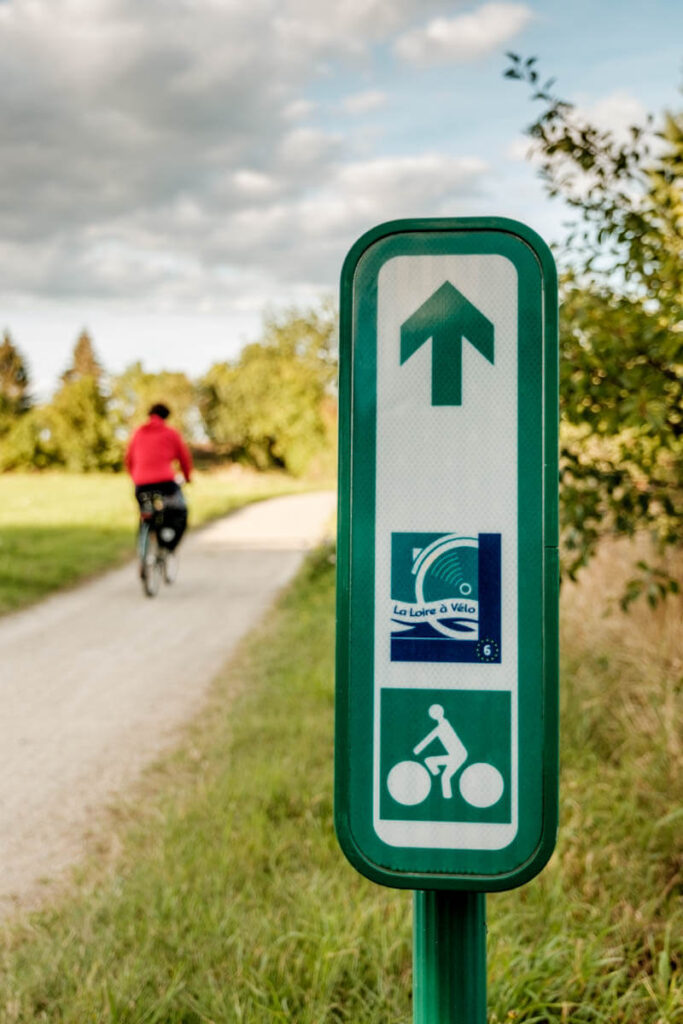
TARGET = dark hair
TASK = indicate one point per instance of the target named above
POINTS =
(160, 410)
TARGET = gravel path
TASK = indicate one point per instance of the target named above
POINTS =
(95, 682)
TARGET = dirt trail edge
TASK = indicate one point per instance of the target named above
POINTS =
(95, 682)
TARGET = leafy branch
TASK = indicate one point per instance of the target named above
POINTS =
(621, 329)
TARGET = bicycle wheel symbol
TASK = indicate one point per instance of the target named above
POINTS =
(481, 784)
(409, 783)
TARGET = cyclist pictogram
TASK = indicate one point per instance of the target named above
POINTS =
(410, 782)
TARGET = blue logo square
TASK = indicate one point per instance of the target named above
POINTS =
(446, 597)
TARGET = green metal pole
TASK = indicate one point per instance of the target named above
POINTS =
(449, 958)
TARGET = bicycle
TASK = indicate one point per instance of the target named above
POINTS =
(156, 561)
(409, 782)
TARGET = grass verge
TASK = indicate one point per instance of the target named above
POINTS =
(230, 902)
(59, 528)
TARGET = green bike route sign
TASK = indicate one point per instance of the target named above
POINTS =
(446, 725)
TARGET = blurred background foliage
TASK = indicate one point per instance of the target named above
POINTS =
(621, 329)
(275, 406)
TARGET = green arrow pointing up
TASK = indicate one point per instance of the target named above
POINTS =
(447, 317)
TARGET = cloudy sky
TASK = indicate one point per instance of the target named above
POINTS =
(171, 168)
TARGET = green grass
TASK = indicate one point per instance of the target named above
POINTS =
(222, 896)
(59, 528)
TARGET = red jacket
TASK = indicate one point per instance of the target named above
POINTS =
(153, 449)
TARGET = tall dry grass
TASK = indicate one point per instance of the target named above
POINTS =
(643, 648)
(598, 935)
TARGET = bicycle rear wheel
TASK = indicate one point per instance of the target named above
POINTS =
(150, 568)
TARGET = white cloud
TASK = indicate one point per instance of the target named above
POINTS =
(464, 37)
(254, 184)
(347, 24)
(322, 224)
(408, 180)
(521, 149)
(306, 147)
(615, 112)
(299, 109)
(168, 155)
(140, 124)
(364, 102)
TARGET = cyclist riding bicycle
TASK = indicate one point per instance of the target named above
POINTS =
(152, 451)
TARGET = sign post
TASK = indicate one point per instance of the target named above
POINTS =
(446, 727)
(449, 958)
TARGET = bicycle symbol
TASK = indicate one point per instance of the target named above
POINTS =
(410, 782)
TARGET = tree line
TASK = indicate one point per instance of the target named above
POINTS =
(274, 406)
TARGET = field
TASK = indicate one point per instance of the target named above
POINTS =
(218, 894)
(58, 528)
